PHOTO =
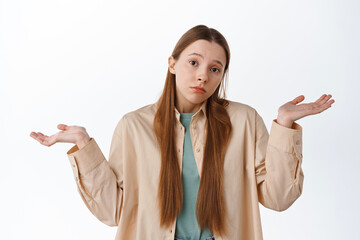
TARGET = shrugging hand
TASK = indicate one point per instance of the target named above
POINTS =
(290, 111)
(69, 134)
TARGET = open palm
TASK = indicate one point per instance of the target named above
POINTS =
(69, 134)
(291, 111)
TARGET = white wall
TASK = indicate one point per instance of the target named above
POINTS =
(89, 62)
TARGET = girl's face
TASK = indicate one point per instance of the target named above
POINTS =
(198, 72)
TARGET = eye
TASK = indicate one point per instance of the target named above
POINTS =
(192, 62)
(215, 70)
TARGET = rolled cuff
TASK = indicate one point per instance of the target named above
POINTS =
(285, 139)
(86, 158)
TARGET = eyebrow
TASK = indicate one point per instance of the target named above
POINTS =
(198, 54)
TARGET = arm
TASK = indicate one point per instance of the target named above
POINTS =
(278, 159)
(99, 182)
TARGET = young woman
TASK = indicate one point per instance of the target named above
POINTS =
(192, 165)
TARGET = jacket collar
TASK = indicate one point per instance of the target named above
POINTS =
(202, 110)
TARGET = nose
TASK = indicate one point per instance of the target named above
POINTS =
(202, 75)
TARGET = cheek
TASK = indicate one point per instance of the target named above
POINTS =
(180, 82)
(216, 82)
(183, 78)
(215, 85)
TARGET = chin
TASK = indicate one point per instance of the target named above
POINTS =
(197, 100)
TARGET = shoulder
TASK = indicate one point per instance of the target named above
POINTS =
(143, 113)
(244, 117)
(241, 110)
(141, 117)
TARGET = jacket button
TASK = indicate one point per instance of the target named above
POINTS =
(194, 127)
(198, 149)
(178, 149)
(297, 142)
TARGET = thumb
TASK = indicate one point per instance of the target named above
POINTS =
(298, 99)
(62, 126)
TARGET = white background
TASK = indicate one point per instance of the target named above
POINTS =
(89, 62)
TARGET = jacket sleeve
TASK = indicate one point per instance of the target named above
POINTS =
(278, 159)
(100, 182)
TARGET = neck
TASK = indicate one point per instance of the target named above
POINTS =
(188, 108)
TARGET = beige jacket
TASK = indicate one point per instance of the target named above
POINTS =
(122, 192)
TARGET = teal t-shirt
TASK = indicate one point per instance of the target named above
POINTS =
(187, 227)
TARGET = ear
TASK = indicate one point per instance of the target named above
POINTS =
(171, 62)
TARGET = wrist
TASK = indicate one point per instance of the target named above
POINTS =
(284, 123)
(82, 142)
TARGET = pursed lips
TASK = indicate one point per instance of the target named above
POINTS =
(199, 89)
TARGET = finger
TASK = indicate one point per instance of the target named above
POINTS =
(39, 133)
(323, 107)
(321, 98)
(34, 135)
(37, 136)
(41, 137)
(63, 127)
(49, 141)
(329, 103)
(298, 99)
(325, 99)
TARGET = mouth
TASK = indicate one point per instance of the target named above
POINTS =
(198, 89)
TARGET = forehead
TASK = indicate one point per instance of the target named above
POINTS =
(210, 50)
